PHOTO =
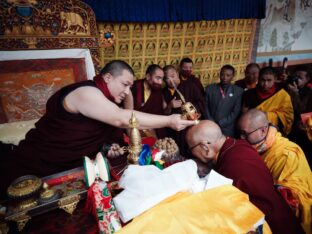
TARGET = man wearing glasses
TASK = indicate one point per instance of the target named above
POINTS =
(238, 160)
(284, 159)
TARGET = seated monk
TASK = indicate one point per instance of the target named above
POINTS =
(273, 100)
(79, 119)
(284, 159)
(238, 160)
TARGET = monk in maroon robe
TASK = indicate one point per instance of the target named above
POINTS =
(79, 119)
(147, 96)
(239, 161)
(186, 73)
(173, 101)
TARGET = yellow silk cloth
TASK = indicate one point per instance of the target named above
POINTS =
(289, 167)
(224, 209)
(279, 108)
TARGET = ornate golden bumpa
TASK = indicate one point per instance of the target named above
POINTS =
(135, 146)
(188, 109)
(25, 190)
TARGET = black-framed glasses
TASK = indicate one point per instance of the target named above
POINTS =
(202, 144)
(245, 135)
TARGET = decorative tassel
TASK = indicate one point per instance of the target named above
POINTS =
(100, 203)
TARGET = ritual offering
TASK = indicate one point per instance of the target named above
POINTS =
(99, 198)
(135, 146)
(171, 150)
(47, 194)
(24, 190)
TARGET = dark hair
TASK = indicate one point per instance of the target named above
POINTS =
(228, 67)
(152, 68)
(116, 67)
(304, 69)
(250, 65)
(186, 60)
(267, 71)
(168, 67)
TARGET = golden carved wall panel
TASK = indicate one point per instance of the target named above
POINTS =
(210, 44)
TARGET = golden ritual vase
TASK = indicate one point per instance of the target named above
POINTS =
(189, 111)
(135, 147)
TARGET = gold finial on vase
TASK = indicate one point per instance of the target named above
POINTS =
(189, 111)
(135, 147)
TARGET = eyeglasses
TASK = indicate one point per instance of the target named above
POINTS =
(245, 135)
(202, 144)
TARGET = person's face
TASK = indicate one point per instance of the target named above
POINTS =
(252, 74)
(155, 80)
(226, 76)
(187, 67)
(204, 151)
(119, 86)
(267, 81)
(251, 133)
(172, 76)
(303, 78)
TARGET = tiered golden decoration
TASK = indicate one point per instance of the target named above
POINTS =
(135, 147)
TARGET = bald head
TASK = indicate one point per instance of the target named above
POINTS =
(206, 130)
(253, 118)
(253, 126)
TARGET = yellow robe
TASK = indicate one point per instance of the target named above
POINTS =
(289, 167)
(224, 209)
(279, 108)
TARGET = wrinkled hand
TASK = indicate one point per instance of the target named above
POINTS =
(177, 123)
(174, 103)
(115, 151)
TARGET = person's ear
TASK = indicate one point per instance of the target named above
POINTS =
(107, 77)
(148, 76)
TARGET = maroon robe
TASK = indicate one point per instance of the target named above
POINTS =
(195, 81)
(153, 105)
(191, 94)
(239, 161)
(59, 142)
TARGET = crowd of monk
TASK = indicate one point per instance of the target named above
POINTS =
(250, 131)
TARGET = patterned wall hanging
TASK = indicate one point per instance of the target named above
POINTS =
(48, 24)
(210, 44)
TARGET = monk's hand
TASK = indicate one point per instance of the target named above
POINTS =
(115, 151)
(293, 88)
(177, 123)
(175, 103)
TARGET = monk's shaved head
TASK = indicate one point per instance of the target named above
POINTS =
(253, 118)
(206, 130)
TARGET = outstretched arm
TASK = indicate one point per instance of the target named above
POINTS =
(91, 103)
